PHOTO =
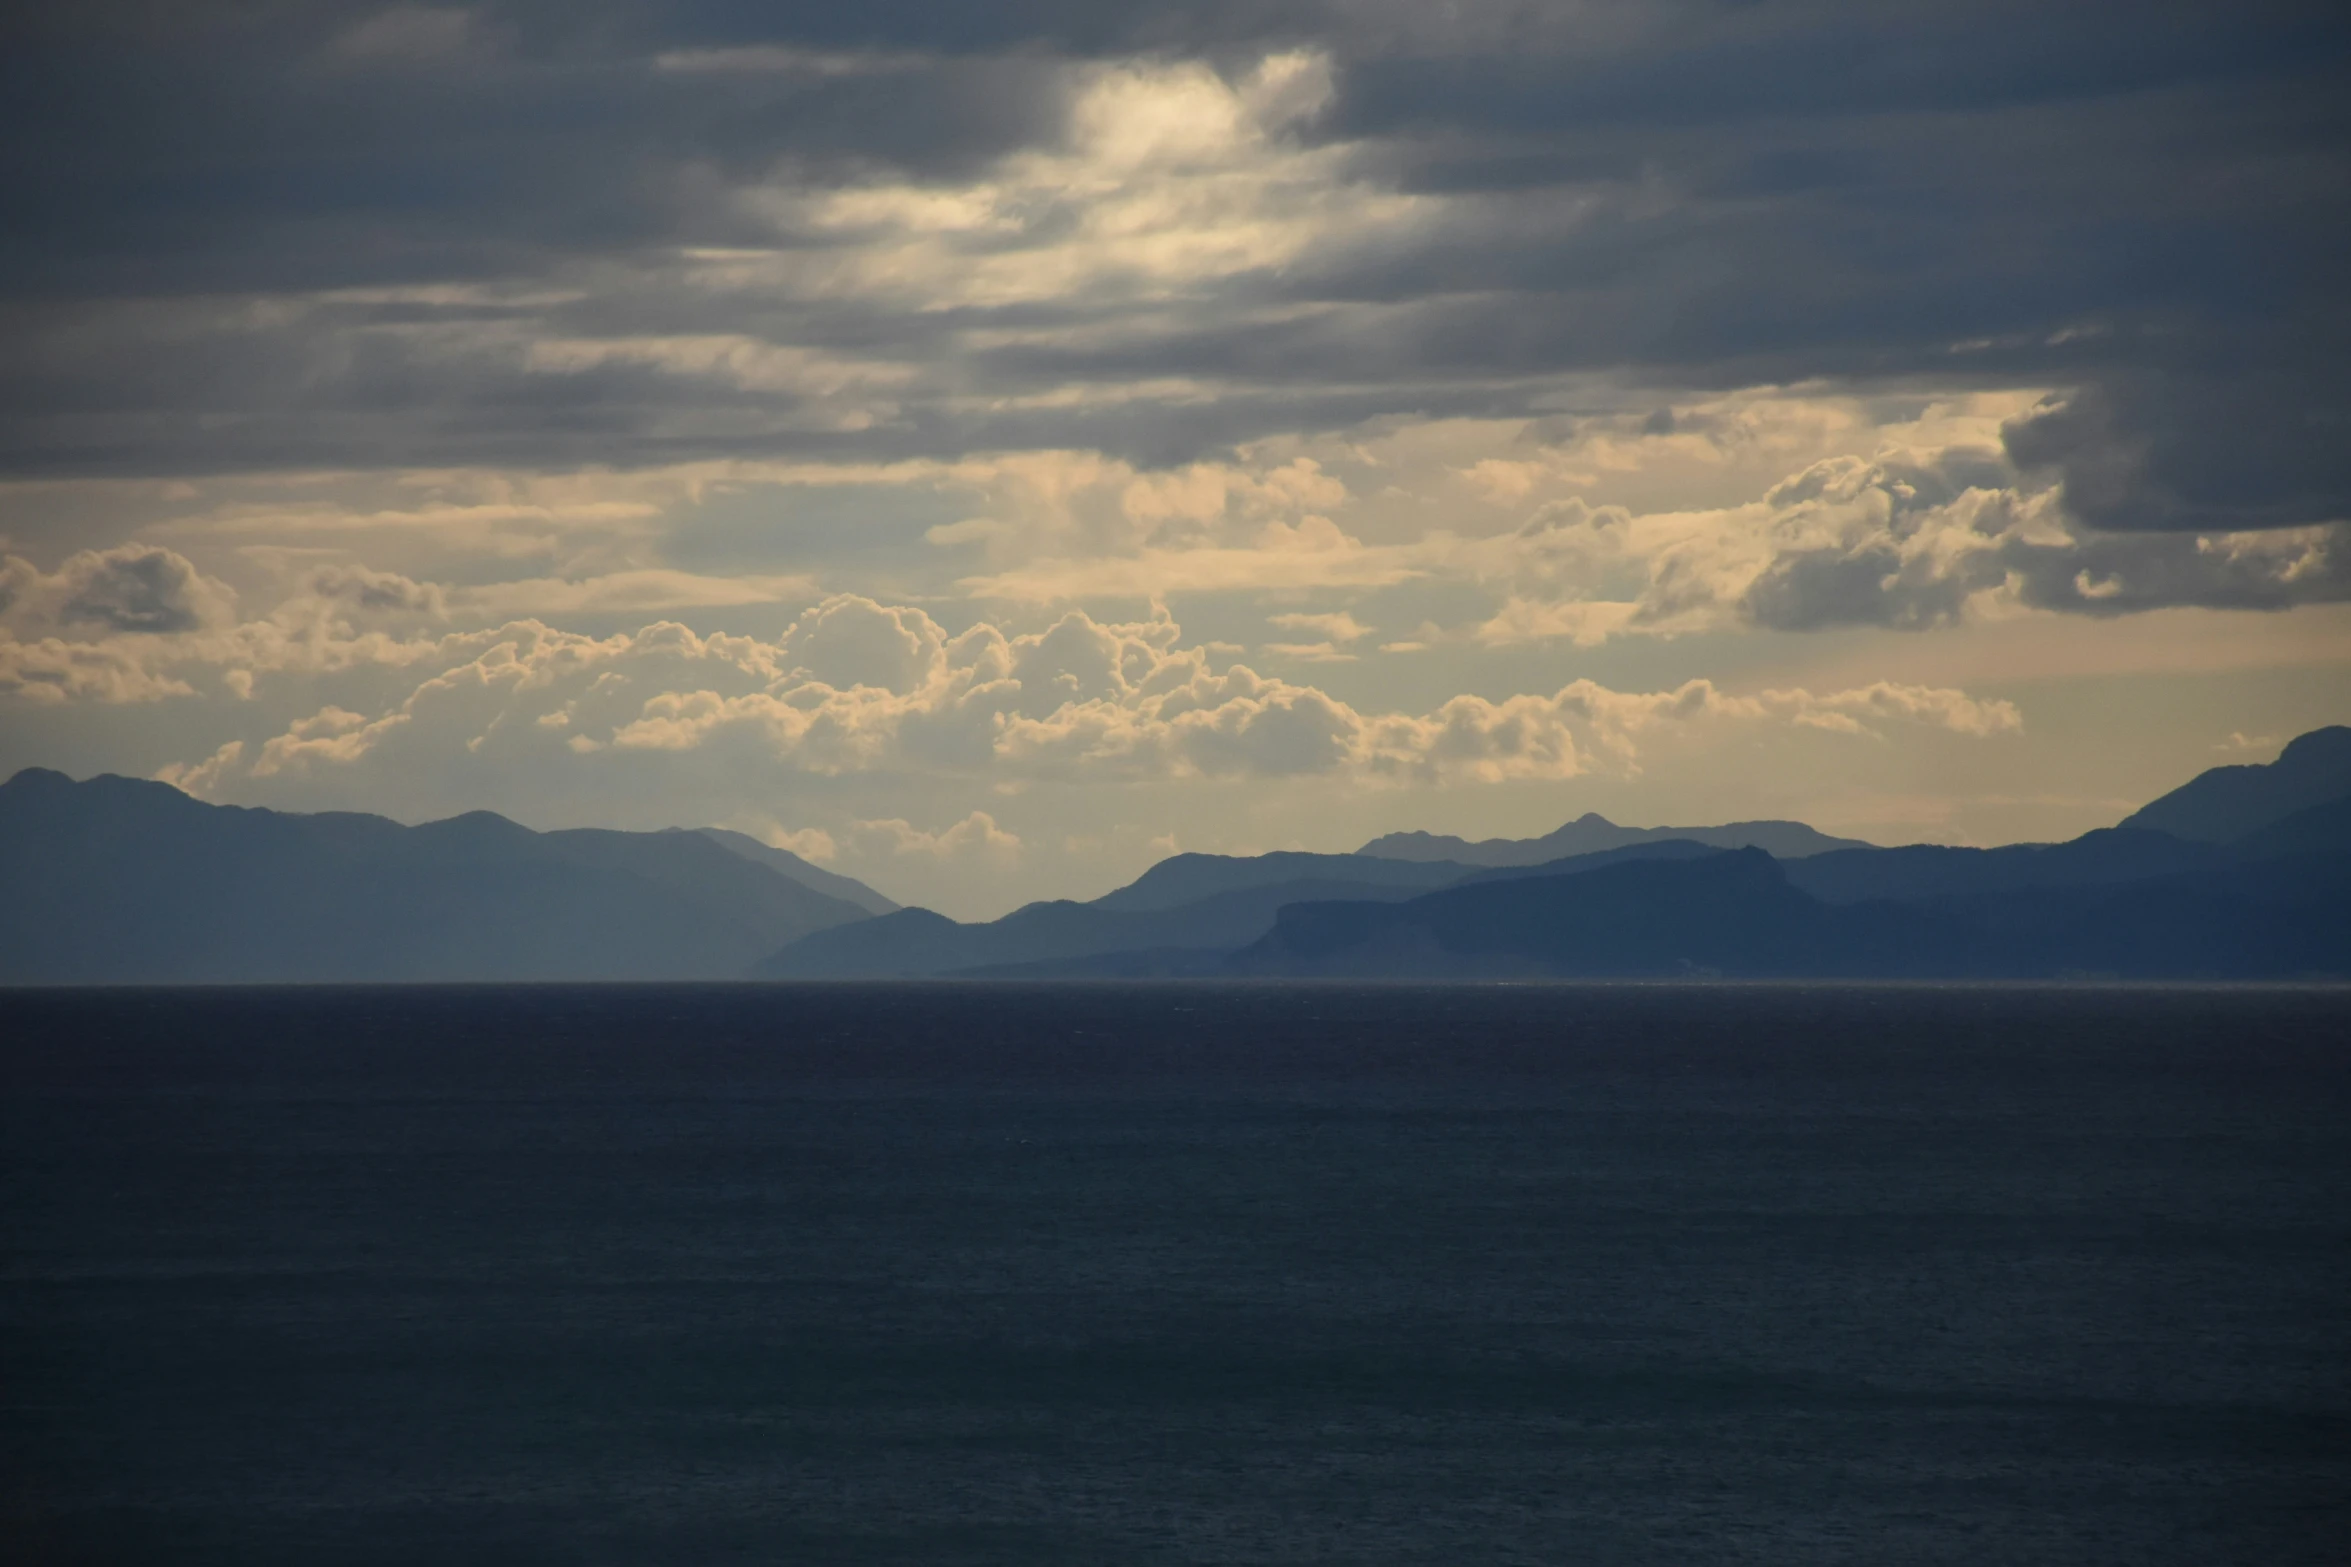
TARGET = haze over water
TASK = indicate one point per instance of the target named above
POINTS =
(1177, 1273)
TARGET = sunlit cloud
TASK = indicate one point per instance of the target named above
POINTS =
(1170, 425)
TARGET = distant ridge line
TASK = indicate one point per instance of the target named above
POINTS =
(1593, 833)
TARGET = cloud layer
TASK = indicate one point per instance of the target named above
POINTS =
(823, 419)
(854, 686)
(626, 232)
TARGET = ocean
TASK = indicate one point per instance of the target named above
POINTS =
(1179, 1273)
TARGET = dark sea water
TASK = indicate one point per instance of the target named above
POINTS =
(944, 1274)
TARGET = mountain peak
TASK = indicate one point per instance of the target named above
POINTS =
(2320, 747)
(128, 880)
(2223, 804)
(1592, 833)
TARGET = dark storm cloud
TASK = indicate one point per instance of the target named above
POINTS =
(1915, 539)
(2146, 207)
(2258, 441)
(262, 158)
(2094, 574)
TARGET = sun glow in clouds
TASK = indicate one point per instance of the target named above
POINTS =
(1222, 430)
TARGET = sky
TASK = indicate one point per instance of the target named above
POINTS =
(986, 448)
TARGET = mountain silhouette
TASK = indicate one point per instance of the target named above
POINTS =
(2226, 803)
(915, 943)
(1592, 833)
(1737, 914)
(1187, 878)
(785, 863)
(1658, 849)
(2322, 829)
(2126, 901)
(1730, 913)
(2104, 857)
(126, 880)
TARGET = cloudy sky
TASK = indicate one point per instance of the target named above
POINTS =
(987, 446)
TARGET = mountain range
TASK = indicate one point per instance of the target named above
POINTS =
(1592, 833)
(2242, 873)
(117, 880)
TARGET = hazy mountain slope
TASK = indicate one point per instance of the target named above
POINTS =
(1738, 915)
(1592, 834)
(118, 879)
(1127, 963)
(908, 943)
(1187, 878)
(2323, 829)
(785, 863)
(2105, 856)
(1662, 849)
(2268, 920)
(1731, 913)
(2227, 803)
(917, 943)
(125, 880)
(1240, 916)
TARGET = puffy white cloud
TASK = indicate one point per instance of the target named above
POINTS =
(52, 670)
(101, 627)
(810, 843)
(136, 588)
(332, 735)
(1336, 632)
(977, 835)
(858, 687)
(1906, 537)
(378, 591)
(848, 642)
(1073, 526)
(1557, 736)
(202, 778)
(1341, 627)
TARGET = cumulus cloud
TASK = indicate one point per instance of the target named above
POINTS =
(858, 687)
(378, 591)
(1335, 631)
(975, 835)
(105, 625)
(1555, 736)
(943, 359)
(1079, 525)
(1341, 627)
(1911, 541)
(1905, 537)
(1904, 540)
(810, 843)
(201, 779)
(52, 670)
(133, 588)
(850, 642)
(330, 735)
